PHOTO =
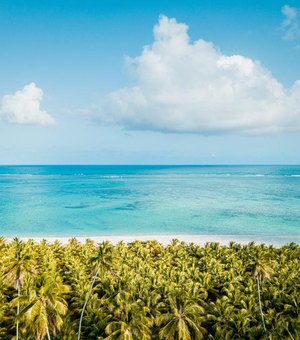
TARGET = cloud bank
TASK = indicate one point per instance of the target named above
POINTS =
(189, 86)
(23, 107)
(291, 24)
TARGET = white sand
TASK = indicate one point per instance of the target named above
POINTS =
(166, 239)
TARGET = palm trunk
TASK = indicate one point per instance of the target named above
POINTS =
(260, 308)
(86, 301)
(18, 311)
(290, 335)
(48, 334)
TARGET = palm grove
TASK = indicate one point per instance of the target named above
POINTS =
(144, 290)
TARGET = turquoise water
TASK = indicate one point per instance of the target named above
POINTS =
(123, 200)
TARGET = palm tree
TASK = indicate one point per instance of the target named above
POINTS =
(135, 327)
(262, 271)
(148, 291)
(103, 261)
(2, 242)
(129, 319)
(47, 306)
(182, 321)
(3, 314)
(16, 267)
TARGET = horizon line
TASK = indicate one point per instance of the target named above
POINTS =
(151, 164)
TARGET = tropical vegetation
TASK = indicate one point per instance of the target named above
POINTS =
(144, 290)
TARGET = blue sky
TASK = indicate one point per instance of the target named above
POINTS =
(69, 93)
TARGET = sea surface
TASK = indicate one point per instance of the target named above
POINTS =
(77, 200)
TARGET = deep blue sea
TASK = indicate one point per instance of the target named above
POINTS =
(125, 200)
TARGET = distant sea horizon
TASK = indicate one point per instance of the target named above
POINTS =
(98, 200)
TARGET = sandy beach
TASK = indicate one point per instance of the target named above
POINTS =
(166, 239)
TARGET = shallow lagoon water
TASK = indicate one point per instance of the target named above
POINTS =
(65, 201)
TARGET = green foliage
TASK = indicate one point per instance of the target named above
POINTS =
(143, 290)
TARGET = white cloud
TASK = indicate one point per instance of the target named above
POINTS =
(185, 86)
(290, 25)
(23, 107)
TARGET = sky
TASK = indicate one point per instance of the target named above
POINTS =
(149, 82)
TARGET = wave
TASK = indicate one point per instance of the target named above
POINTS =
(79, 206)
(124, 176)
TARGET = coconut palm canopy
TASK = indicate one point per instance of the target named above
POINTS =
(144, 290)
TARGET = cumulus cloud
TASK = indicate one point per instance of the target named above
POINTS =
(23, 107)
(290, 25)
(191, 87)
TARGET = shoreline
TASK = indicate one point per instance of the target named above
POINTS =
(166, 239)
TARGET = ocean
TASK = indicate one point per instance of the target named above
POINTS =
(82, 200)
